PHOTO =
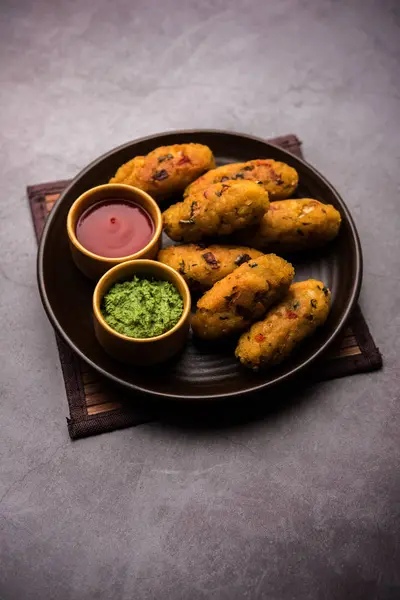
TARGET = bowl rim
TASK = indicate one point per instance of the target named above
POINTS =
(97, 298)
(106, 259)
(256, 387)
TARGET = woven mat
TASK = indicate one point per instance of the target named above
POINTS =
(97, 407)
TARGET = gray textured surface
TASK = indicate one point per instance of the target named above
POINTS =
(301, 505)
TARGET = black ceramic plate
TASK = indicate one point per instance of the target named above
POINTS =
(201, 371)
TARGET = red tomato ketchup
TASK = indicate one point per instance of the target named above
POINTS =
(114, 228)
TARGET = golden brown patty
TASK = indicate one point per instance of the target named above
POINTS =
(277, 178)
(242, 297)
(167, 170)
(291, 225)
(202, 266)
(221, 209)
(297, 316)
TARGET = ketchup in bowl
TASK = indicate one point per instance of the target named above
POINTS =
(115, 228)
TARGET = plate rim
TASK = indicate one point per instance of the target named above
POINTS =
(257, 387)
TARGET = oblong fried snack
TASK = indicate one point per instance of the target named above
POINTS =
(292, 225)
(242, 297)
(277, 178)
(167, 170)
(300, 312)
(202, 266)
(221, 209)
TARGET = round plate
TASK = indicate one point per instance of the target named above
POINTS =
(201, 371)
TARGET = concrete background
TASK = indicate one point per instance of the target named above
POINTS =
(303, 504)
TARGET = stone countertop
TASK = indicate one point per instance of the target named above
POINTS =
(303, 504)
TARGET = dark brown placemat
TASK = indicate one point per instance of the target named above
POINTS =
(96, 406)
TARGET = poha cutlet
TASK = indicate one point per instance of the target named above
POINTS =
(242, 297)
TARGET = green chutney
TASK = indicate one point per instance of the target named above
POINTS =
(142, 308)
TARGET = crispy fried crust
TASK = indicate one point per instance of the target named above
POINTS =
(202, 266)
(296, 317)
(292, 225)
(219, 210)
(277, 178)
(242, 297)
(167, 170)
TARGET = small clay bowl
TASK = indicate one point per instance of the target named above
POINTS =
(93, 265)
(141, 351)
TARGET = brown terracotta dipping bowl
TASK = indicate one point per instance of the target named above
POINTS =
(93, 265)
(141, 351)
